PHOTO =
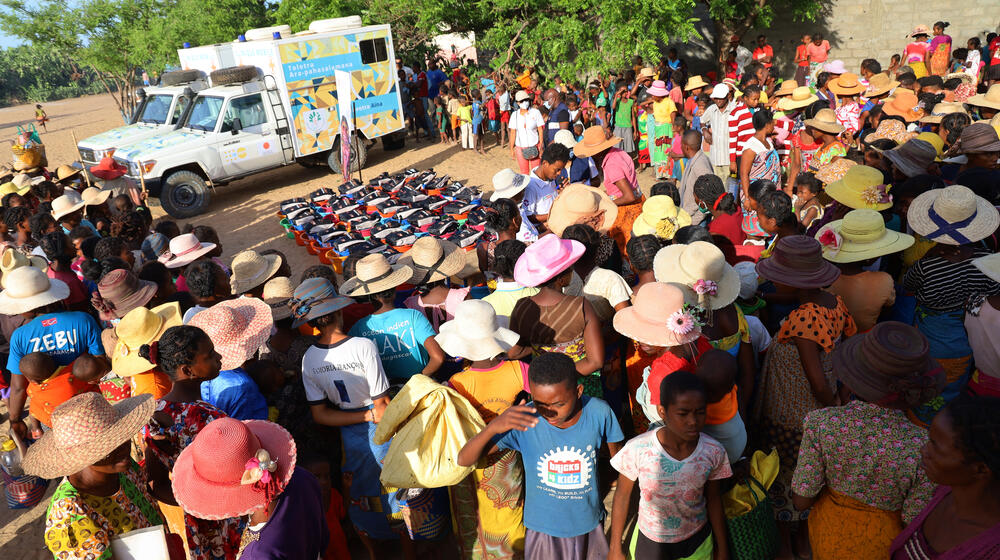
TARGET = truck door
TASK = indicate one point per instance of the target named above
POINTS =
(256, 146)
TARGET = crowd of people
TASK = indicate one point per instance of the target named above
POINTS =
(814, 275)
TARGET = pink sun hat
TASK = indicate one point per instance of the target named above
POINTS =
(658, 88)
(545, 259)
(233, 468)
(238, 328)
(185, 249)
(659, 317)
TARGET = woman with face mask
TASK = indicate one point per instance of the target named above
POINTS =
(526, 126)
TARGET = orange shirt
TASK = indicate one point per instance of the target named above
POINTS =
(59, 388)
(153, 382)
(723, 411)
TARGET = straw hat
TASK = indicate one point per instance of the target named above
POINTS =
(646, 72)
(960, 75)
(989, 265)
(238, 328)
(64, 205)
(942, 109)
(233, 468)
(658, 89)
(594, 142)
(787, 88)
(13, 259)
(658, 317)
(28, 288)
(799, 98)
(979, 137)
(953, 215)
(834, 171)
(474, 334)
(566, 138)
(184, 250)
(798, 261)
(545, 259)
(890, 366)
(373, 274)
(64, 172)
(702, 269)
(695, 82)
(108, 169)
(889, 129)
(138, 327)
(835, 67)
(904, 103)
(276, 294)
(861, 187)
(315, 298)
(24, 181)
(582, 204)
(507, 183)
(990, 99)
(93, 196)
(846, 84)
(880, 84)
(920, 30)
(912, 157)
(251, 269)
(660, 217)
(826, 121)
(86, 429)
(432, 259)
(859, 236)
(935, 141)
(119, 292)
(10, 188)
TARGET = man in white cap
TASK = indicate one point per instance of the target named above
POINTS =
(715, 124)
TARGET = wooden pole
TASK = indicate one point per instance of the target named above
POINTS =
(142, 178)
(86, 174)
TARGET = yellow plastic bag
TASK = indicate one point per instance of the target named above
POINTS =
(763, 468)
(428, 424)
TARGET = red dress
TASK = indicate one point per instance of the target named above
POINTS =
(728, 226)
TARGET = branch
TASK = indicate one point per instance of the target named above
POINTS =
(513, 42)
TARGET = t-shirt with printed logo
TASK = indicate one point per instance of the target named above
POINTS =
(560, 470)
(399, 336)
(347, 374)
(64, 336)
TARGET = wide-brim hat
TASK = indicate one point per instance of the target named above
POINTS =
(108, 169)
(212, 475)
(86, 429)
(919, 30)
(904, 103)
(787, 87)
(942, 109)
(979, 137)
(184, 250)
(799, 97)
(374, 274)
(433, 259)
(545, 259)
(960, 75)
(846, 83)
(990, 99)
(889, 129)
(832, 171)
(582, 204)
(658, 317)
(122, 291)
(138, 327)
(10, 188)
(913, 157)
(701, 268)
(27, 288)
(890, 366)
(646, 72)
(953, 215)
(22, 180)
(859, 236)
(660, 217)
(826, 121)
(861, 187)
(238, 328)
(695, 82)
(11, 259)
(989, 265)
(64, 205)
(474, 334)
(935, 141)
(277, 292)
(64, 172)
(507, 183)
(798, 261)
(93, 196)
(594, 142)
(314, 298)
(251, 269)
(658, 89)
(880, 84)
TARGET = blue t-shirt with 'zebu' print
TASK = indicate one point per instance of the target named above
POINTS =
(64, 336)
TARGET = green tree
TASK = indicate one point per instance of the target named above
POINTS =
(736, 17)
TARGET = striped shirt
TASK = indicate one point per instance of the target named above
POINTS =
(942, 285)
(740, 130)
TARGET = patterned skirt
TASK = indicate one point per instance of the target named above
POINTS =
(843, 527)
(488, 509)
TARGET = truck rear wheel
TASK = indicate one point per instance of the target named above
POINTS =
(359, 155)
(185, 194)
(179, 77)
(394, 141)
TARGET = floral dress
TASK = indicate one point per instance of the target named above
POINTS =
(785, 396)
(82, 525)
(825, 154)
(206, 540)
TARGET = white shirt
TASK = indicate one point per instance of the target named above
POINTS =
(539, 195)
(504, 100)
(528, 233)
(348, 374)
(718, 121)
(526, 127)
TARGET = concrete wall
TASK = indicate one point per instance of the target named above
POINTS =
(857, 29)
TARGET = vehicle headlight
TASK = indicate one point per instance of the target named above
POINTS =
(147, 166)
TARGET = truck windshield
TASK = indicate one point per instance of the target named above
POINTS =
(204, 113)
(155, 109)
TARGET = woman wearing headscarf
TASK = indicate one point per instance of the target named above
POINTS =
(859, 470)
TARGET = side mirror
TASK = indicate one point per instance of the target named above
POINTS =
(237, 126)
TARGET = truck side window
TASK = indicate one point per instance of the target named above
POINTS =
(249, 109)
(373, 50)
(182, 102)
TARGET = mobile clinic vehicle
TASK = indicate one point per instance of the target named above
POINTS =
(281, 104)
(160, 107)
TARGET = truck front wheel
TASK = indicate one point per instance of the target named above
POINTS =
(359, 155)
(185, 194)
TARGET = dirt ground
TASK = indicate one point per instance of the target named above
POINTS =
(243, 213)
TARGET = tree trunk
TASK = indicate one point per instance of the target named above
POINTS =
(723, 31)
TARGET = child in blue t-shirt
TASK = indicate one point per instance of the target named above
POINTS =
(477, 121)
(562, 503)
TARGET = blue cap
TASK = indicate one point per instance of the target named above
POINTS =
(187, 45)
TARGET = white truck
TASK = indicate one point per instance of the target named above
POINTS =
(161, 106)
(281, 104)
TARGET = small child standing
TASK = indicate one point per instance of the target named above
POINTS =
(454, 106)
(678, 470)
(477, 121)
(41, 118)
(806, 200)
(558, 435)
(441, 116)
(465, 122)
(675, 154)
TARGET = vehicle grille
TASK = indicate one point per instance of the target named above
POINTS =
(87, 155)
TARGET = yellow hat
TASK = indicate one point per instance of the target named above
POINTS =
(861, 187)
(660, 217)
(138, 327)
(859, 236)
(934, 140)
(8, 188)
